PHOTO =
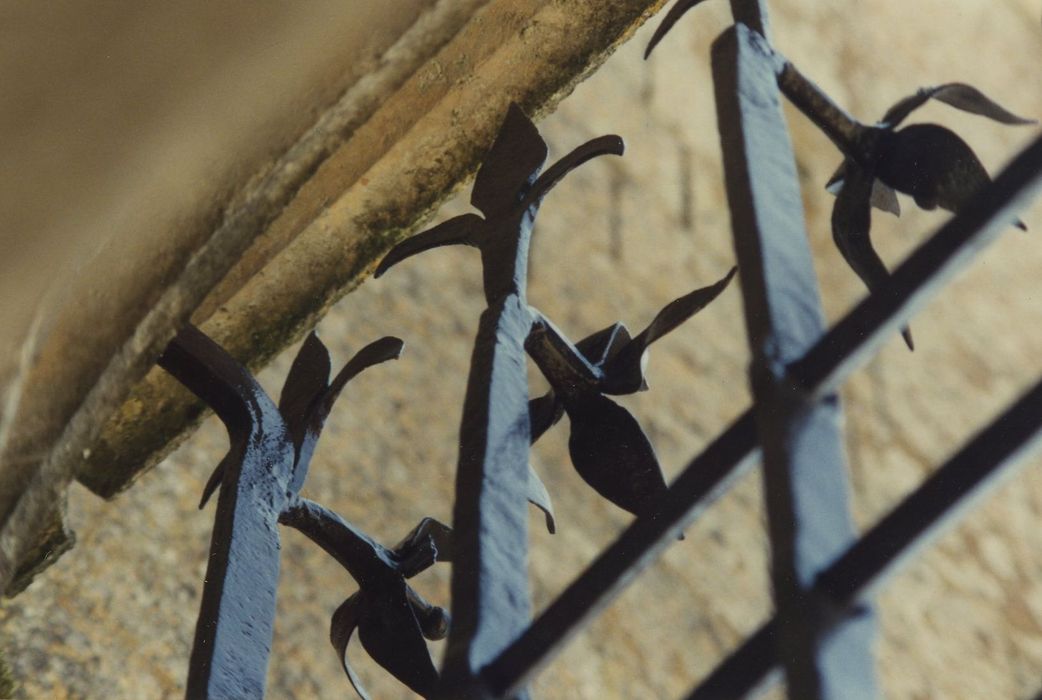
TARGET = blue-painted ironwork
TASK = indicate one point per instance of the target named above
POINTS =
(804, 469)
(932, 508)
(490, 578)
(821, 575)
(607, 445)
(259, 481)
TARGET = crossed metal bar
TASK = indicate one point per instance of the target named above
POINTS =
(821, 574)
(918, 519)
(822, 368)
(804, 466)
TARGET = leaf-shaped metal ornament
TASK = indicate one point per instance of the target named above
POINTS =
(376, 352)
(543, 413)
(624, 372)
(883, 197)
(465, 229)
(613, 455)
(605, 344)
(392, 618)
(851, 225)
(307, 379)
(927, 161)
(933, 165)
(594, 148)
(389, 627)
(672, 17)
(508, 183)
(540, 498)
(607, 445)
(958, 95)
(596, 349)
(233, 455)
(307, 396)
(511, 165)
(391, 634)
(342, 626)
(428, 542)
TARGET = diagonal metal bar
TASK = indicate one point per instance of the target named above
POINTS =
(842, 350)
(805, 479)
(490, 601)
(920, 277)
(707, 477)
(933, 507)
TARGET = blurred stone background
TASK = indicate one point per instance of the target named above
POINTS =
(616, 241)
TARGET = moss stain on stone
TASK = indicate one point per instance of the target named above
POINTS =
(8, 685)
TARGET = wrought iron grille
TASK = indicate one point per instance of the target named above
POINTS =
(822, 572)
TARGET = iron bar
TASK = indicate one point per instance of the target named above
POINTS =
(707, 477)
(920, 277)
(804, 469)
(844, 348)
(237, 613)
(821, 574)
(918, 519)
(490, 599)
(753, 14)
(259, 482)
(848, 134)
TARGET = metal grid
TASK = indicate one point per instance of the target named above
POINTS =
(822, 573)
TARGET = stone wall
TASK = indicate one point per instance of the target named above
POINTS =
(617, 240)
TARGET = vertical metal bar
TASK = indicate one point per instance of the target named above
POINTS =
(490, 601)
(804, 471)
(922, 516)
(707, 476)
(833, 358)
(236, 617)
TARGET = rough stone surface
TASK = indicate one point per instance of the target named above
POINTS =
(616, 241)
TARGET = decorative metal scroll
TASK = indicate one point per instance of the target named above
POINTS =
(260, 480)
(608, 448)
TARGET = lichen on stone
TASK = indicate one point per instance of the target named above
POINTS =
(8, 685)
